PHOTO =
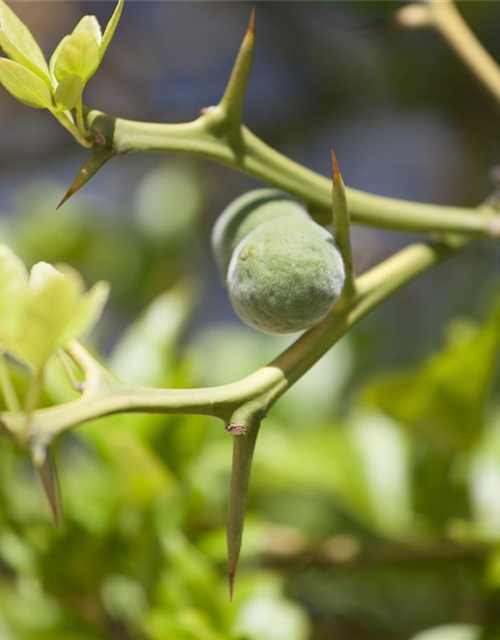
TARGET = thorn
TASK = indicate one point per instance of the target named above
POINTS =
(243, 449)
(251, 24)
(231, 584)
(337, 176)
(44, 465)
(95, 160)
(342, 224)
(234, 95)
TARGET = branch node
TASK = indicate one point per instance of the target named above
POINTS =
(236, 429)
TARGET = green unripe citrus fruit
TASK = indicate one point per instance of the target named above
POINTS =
(246, 213)
(285, 275)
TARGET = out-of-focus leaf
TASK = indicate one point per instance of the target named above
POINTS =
(143, 477)
(168, 204)
(13, 287)
(110, 28)
(79, 55)
(484, 483)
(271, 618)
(18, 43)
(124, 599)
(68, 92)
(452, 632)
(385, 461)
(144, 353)
(323, 462)
(56, 310)
(444, 399)
(24, 85)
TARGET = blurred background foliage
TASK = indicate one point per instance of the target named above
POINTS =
(374, 511)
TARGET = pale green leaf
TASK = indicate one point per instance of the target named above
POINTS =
(89, 24)
(110, 28)
(18, 43)
(69, 92)
(50, 305)
(24, 85)
(13, 288)
(53, 59)
(79, 55)
(56, 309)
(88, 312)
(451, 632)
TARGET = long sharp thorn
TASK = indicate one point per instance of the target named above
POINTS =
(234, 95)
(243, 449)
(231, 585)
(342, 224)
(95, 160)
(47, 472)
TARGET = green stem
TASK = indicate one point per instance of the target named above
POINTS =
(74, 382)
(446, 18)
(79, 118)
(104, 395)
(9, 393)
(73, 129)
(207, 137)
(32, 398)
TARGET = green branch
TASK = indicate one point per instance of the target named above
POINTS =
(206, 137)
(104, 395)
(448, 22)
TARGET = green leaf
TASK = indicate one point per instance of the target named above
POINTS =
(145, 352)
(444, 400)
(110, 28)
(451, 632)
(56, 310)
(89, 24)
(13, 287)
(87, 313)
(79, 55)
(19, 45)
(69, 92)
(25, 85)
(53, 59)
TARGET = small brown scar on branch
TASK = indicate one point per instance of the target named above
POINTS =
(100, 139)
(236, 429)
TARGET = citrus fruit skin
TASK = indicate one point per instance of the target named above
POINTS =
(285, 275)
(245, 214)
